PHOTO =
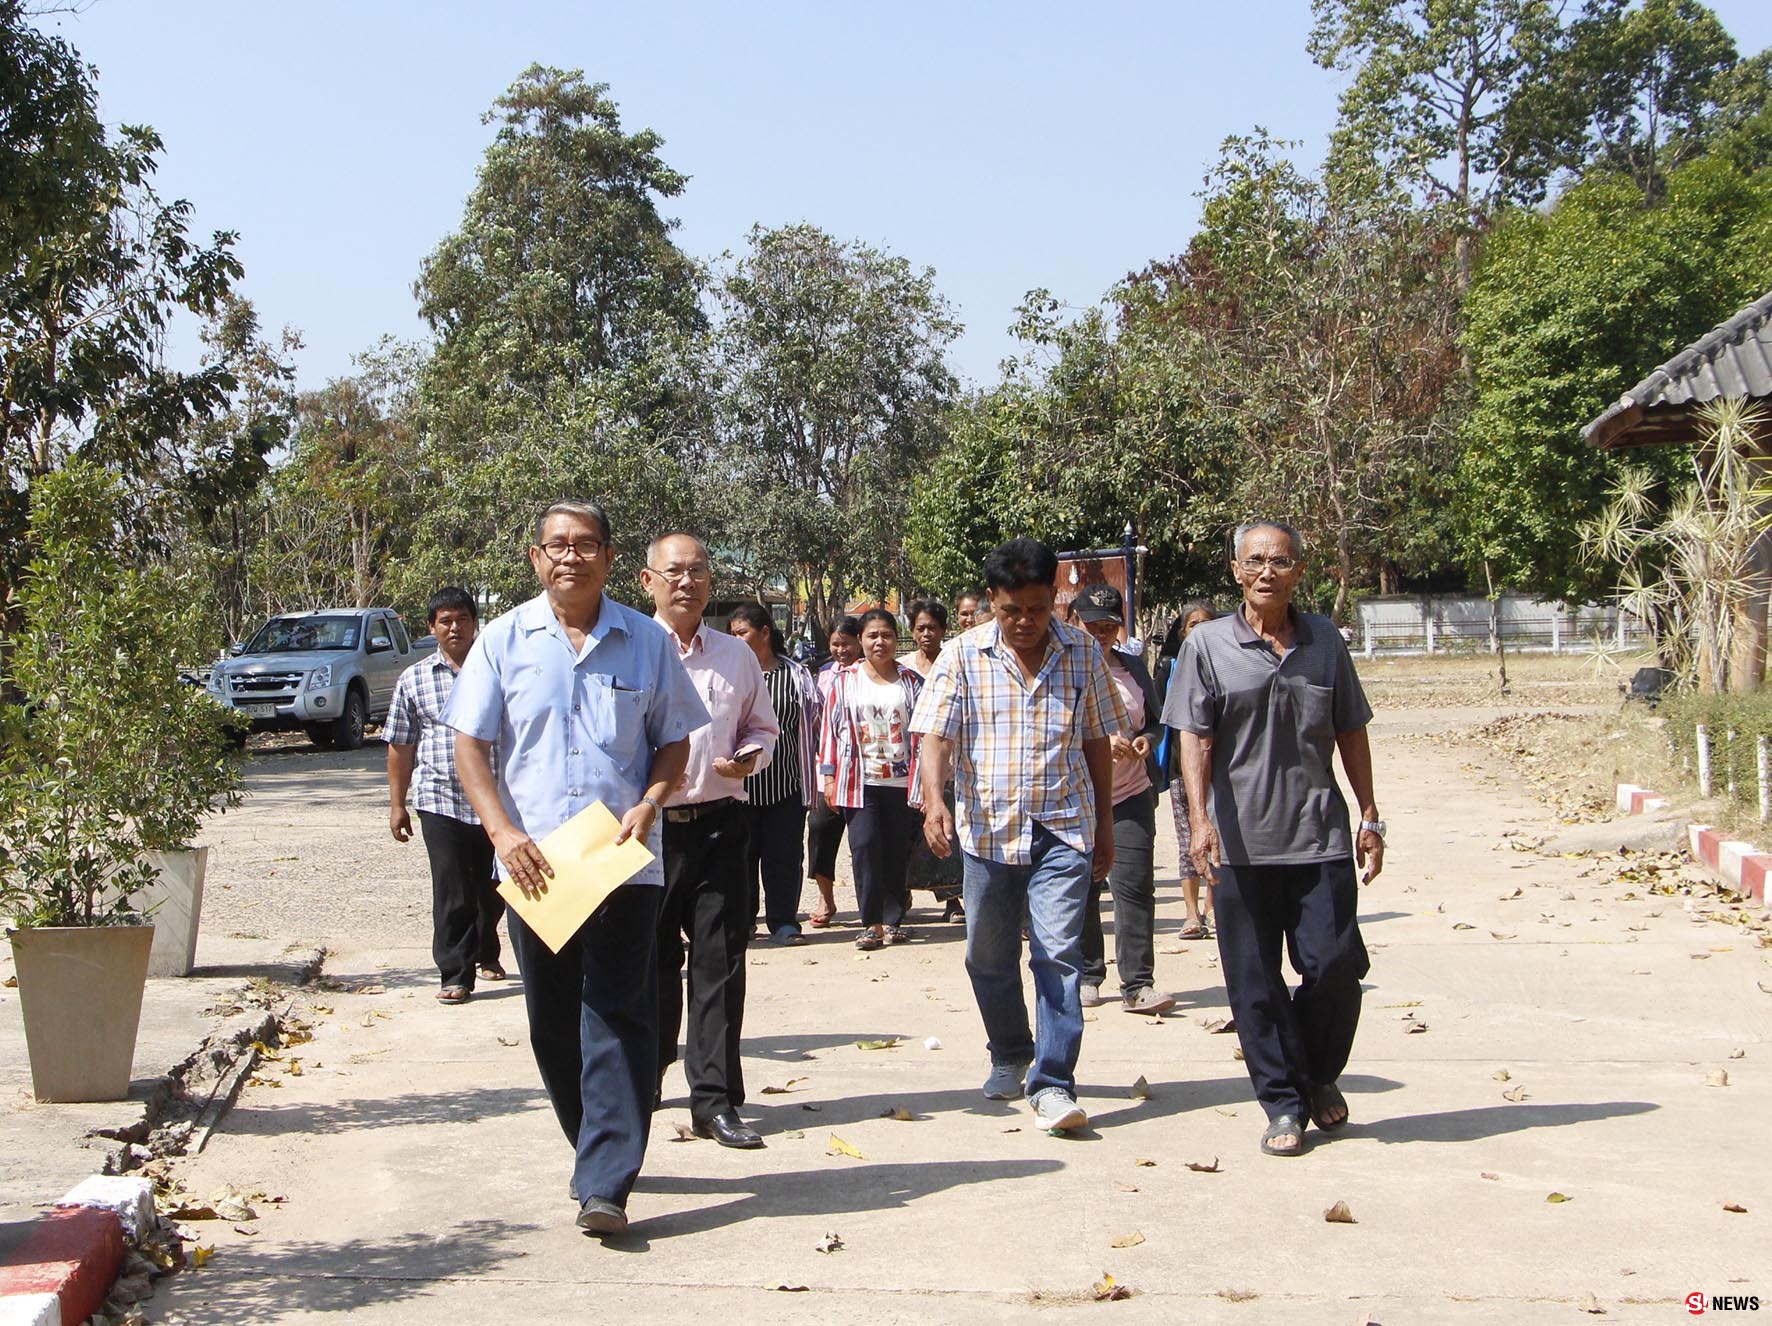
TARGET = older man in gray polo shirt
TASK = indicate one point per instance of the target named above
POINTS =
(1263, 698)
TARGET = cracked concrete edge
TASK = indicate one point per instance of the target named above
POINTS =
(1740, 865)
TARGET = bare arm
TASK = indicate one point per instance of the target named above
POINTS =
(1356, 763)
(527, 867)
(934, 756)
(401, 760)
(1196, 774)
(1098, 754)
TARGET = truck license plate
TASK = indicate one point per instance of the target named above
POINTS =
(260, 710)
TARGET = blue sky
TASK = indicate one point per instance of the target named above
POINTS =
(1007, 146)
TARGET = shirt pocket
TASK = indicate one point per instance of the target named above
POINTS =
(615, 717)
(1315, 709)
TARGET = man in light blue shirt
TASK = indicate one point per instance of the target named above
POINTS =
(586, 701)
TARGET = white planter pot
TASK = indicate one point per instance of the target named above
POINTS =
(174, 904)
(80, 993)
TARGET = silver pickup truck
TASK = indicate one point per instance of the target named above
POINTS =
(330, 672)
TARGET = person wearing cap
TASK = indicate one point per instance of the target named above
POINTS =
(1137, 781)
(1263, 699)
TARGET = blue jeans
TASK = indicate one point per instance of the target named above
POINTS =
(1055, 889)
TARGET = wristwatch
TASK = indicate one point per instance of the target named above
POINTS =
(649, 801)
(1373, 826)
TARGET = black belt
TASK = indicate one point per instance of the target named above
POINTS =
(685, 814)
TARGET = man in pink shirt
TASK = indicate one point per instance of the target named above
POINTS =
(707, 898)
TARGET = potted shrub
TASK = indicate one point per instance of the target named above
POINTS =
(104, 756)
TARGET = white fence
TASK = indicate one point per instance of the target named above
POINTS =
(1435, 624)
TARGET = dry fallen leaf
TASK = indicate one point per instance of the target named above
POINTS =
(1108, 1290)
(1497, 934)
(1198, 1168)
(841, 1148)
(1417, 1026)
(890, 1043)
(1509, 897)
(1591, 1306)
(1145, 1164)
(200, 1256)
(1131, 1240)
(1559, 1197)
(1125, 1187)
(898, 1112)
(506, 1040)
(1141, 1090)
(829, 1243)
(684, 1133)
(1738, 1054)
(1340, 1215)
(1717, 1077)
(1487, 1175)
(1501, 1075)
(1735, 1208)
(793, 1289)
(1463, 925)
(369, 989)
(1515, 1094)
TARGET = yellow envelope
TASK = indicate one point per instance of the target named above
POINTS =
(589, 865)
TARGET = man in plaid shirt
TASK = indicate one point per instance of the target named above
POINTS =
(1021, 713)
(465, 905)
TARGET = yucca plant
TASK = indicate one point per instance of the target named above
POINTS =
(1691, 570)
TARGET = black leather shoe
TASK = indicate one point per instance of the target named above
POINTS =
(597, 1216)
(728, 1129)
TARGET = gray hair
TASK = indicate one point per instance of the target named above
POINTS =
(572, 506)
(652, 548)
(1249, 527)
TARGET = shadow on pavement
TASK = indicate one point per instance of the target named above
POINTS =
(343, 1116)
(1491, 1121)
(251, 1285)
(870, 1188)
(1172, 1098)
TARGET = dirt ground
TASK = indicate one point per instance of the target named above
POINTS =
(1556, 1058)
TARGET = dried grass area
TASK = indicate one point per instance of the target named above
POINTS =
(1533, 680)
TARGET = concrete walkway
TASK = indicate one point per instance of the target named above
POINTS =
(413, 1172)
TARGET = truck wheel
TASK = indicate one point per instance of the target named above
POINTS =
(347, 728)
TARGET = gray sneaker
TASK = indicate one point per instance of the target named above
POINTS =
(1090, 994)
(1057, 1111)
(1147, 1000)
(1004, 1083)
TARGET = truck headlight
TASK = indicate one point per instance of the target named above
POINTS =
(218, 682)
(320, 677)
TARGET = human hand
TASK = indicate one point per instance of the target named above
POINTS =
(638, 822)
(1142, 745)
(1369, 852)
(1205, 855)
(400, 824)
(1123, 749)
(524, 864)
(938, 829)
(1104, 849)
(741, 767)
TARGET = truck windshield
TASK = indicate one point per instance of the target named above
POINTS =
(289, 635)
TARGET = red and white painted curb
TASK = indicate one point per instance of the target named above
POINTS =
(1741, 865)
(61, 1268)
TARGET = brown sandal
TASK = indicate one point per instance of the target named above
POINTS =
(491, 971)
(453, 994)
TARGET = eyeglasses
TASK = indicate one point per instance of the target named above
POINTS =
(694, 571)
(1256, 565)
(585, 549)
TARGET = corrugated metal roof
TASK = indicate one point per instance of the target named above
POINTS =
(1733, 360)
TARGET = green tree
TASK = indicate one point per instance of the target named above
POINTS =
(96, 267)
(1568, 309)
(567, 330)
(832, 394)
(1465, 101)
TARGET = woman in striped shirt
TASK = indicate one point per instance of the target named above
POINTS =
(868, 762)
(781, 793)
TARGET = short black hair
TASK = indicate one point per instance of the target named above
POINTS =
(846, 625)
(1020, 563)
(757, 616)
(451, 597)
(877, 615)
(927, 608)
